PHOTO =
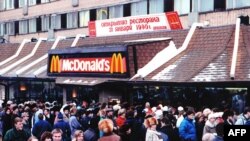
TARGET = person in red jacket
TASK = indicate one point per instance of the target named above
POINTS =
(121, 117)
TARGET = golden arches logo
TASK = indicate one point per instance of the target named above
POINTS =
(55, 65)
(118, 64)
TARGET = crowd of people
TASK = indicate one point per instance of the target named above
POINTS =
(38, 121)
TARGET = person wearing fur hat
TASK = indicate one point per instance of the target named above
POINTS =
(106, 126)
(210, 124)
(152, 134)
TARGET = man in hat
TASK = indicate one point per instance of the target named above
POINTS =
(64, 126)
(41, 126)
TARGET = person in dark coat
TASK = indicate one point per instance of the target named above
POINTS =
(17, 133)
(125, 132)
(199, 125)
(7, 122)
(64, 126)
(48, 117)
(41, 126)
(167, 128)
(14, 114)
(220, 132)
(91, 133)
(228, 117)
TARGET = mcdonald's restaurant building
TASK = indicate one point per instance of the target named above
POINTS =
(179, 67)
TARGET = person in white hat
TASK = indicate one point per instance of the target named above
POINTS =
(210, 124)
(180, 116)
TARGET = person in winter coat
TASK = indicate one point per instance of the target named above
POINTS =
(91, 134)
(7, 122)
(121, 117)
(64, 126)
(17, 133)
(151, 134)
(210, 124)
(220, 132)
(73, 121)
(41, 126)
(187, 130)
(244, 117)
(125, 132)
(106, 126)
(228, 117)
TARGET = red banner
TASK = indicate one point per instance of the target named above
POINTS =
(135, 24)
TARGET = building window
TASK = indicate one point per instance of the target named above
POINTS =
(83, 18)
(2, 29)
(9, 4)
(182, 6)
(55, 21)
(32, 2)
(2, 5)
(116, 11)
(23, 27)
(32, 25)
(92, 14)
(72, 20)
(139, 8)
(10, 28)
(219, 5)
(206, 5)
(168, 5)
(231, 4)
(126, 10)
(242, 3)
(156, 6)
(44, 1)
(102, 14)
(45, 22)
(22, 3)
(63, 20)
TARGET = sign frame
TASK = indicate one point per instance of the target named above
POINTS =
(90, 52)
(135, 24)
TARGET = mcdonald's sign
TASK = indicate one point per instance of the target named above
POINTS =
(55, 65)
(118, 64)
(112, 64)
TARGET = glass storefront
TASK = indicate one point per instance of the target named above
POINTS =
(199, 97)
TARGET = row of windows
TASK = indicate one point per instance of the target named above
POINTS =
(46, 22)
(141, 7)
(81, 18)
(12, 4)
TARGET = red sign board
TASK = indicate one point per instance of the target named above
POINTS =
(173, 20)
(134, 24)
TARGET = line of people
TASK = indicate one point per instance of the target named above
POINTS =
(115, 122)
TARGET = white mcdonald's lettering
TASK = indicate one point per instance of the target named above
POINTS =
(85, 65)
